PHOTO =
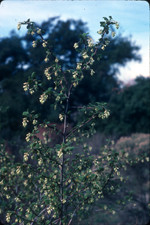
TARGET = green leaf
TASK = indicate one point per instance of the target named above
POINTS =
(26, 113)
(105, 18)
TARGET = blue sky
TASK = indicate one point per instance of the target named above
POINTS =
(133, 17)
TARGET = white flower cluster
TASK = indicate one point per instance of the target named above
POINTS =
(26, 86)
(85, 55)
(17, 199)
(76, 45)
(34, 122)
(40, 161)
(79, 66)
(113, 34)
(8, 196)
(103, 47)
(60, 153)
(8, 217)
(63, 201)
(34, 44)
(92, 72)
(32, 33)
(47, 74)
(26, 156)
(91, 61)
(43, 98)
(19, 26)
(44, 44)
(46, 59)
(106, 114)
(28, 135)
(18, 170)
(25, 183)
(90, 42)
(39, 31)
(49, 210)
(56, 60)
(75, 74)
(1, 182)
(61, 117)
(27, 213)
(31, 90)
(25, 122)
(100, 32)
(57, 98)
(56, 73)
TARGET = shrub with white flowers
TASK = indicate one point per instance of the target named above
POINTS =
(55, 184)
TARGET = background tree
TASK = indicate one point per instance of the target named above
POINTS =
(130, 109)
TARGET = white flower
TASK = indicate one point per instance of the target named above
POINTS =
(76, 45)
(90, 44)
(26, 86)
(28, 137)
(32, 33)
(103, 47)
(75, 74)
(92, 72)
(61, 117)
(29, 176)
(84, 55)
(34, 44)
(79, 66)
(44, 44)
(25, 183)
(1, 182)
(106, 114)
(43, 98)
(47, 74)
(34, 122)
(60, 153)
(147, 159)
(105, 207)
(26, 155)
(49, 210)
(74, 139)
(100, 32)
(113, 34)
(7, 196)
(40, 161)
(18, 170)
(75, 84)
(113, 212)
(46, 59)
(63, 201)
(8, 217)
(31, 90)
(91, 61)
(39, 31)
(17, 199)
(90, 148)
(57, 98)
(19, 26)
(25, 122)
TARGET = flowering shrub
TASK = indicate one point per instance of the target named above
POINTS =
(54, 185)
(135, 147)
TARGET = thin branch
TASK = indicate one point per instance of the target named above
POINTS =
(72, 216)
